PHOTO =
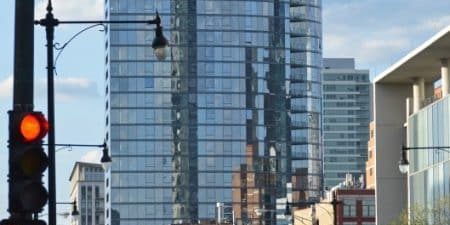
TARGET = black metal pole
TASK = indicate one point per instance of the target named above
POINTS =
(22, 85)
(23, 55)
(334, 202)
(50, 24)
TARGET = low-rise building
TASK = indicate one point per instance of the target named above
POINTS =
(370, 164)
(353, 205)
(87, 189)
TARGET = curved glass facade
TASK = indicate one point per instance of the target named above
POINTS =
(231, 116)
(306, 98)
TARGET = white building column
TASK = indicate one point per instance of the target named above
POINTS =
(418, 93)
(421, 91)
(444, 77)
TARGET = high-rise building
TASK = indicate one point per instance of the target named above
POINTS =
(346, 117)
(87, 189)
(239, 74)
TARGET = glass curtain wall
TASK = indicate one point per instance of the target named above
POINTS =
(305, 92)
(181, 129)
(346, 115)
(429, 174)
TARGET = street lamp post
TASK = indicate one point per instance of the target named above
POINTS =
(334, 202)
(403, 163)
(290, 215)
(105, 160)
(75, 212)
(50, 22)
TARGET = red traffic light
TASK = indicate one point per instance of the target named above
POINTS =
(27, 162)
(33, 126)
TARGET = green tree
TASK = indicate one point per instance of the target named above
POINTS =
(419, 215)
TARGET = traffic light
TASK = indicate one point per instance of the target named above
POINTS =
(22, 222)
(27, 162)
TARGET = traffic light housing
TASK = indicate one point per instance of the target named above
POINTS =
(22, 222)
(27, 162)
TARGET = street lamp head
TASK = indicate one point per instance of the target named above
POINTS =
(160, 53)
(160, 43)
(404, 168)
(258, 212)
(403, 164)
(105, 160)
(75, 214)
(287, 211)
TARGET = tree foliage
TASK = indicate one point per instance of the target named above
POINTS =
(437, 214)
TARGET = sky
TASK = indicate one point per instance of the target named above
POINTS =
(376, 33)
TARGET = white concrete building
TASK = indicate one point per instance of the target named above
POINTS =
(401, 91)
(87, 189)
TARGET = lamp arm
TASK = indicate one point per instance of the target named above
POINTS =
(66, 203)
(79, 145)
(441, 148)
(61, 49)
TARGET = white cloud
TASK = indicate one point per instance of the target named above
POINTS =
(73, 81)
(93, 156)
(6, 87)
(71, 88)
(333, 43)
(378, 35)
(380, 44)
(66, 88)
(436, 24)
(72, 9)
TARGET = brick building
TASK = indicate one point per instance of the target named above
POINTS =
(356, 206)
(370, 164)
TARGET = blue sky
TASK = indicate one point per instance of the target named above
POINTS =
(375, 32)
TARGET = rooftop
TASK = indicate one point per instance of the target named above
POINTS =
(424, 61)
(84, 164)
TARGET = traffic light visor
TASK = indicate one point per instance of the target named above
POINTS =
(33, 126)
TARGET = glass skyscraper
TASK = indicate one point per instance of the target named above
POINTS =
(242, 83)
(346, 117)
